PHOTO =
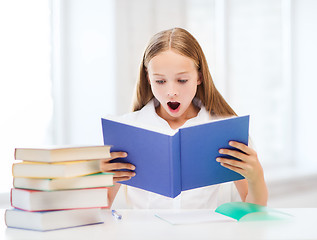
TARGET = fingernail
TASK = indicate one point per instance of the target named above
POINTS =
(230, 143)
(220, 151)
(125, 154)
(218, 159)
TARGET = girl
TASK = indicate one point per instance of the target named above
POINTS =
(175, 89)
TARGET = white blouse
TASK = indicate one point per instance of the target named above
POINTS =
(205, 197)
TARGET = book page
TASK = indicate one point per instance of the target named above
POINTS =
(192, 216)
(153, 128)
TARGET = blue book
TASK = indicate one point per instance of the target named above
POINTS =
(168, 164)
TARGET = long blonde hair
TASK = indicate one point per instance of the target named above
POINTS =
(182, 42)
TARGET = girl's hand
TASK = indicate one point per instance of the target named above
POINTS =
(107, 166)
(249, 166)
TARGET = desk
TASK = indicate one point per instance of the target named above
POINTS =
(142, 224)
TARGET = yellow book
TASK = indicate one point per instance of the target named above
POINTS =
(55, 170)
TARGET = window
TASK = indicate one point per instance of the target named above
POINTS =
(256, 84)
(261, 56)
(25, 92)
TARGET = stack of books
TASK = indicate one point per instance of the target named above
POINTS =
(58, 188)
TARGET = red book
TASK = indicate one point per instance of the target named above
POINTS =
(32, 200)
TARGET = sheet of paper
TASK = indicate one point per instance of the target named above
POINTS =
(176, 217)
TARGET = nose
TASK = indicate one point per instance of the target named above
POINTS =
(172, 90)
(171, 94)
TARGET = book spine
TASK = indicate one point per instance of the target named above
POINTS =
(11, 197)
(175, 157)
(15, 154)
(61, 209)
(5, 217)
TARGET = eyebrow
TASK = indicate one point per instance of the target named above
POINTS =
(185, 72)
(180, 73)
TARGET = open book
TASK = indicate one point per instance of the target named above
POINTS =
(168, 164)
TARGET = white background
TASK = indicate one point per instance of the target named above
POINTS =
(65, 64)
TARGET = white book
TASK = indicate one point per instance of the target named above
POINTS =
(52, 220)
(31, 200)
(61, 154)
(89, 181)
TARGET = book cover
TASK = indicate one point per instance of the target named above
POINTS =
(61, 154)
(168, 164)
(88, 181)
(52, 220)
(32, 200)
(55, 170)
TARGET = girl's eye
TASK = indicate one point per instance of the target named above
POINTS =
(160, 81)
(182, 80)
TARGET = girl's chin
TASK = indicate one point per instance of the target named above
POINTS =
(174, 111)
(169, 112)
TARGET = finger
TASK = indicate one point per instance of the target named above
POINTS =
(119, 179)
(123, 174)
(233, 168)
(231, 162)
(103, 162)
(114, 155)
(118, 166)
(106, 166)
(118, 155)
(233, 153)
(242, 147)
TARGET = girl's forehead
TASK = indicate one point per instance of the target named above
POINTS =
(169, 60)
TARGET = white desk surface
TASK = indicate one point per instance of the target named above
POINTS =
(142, 224)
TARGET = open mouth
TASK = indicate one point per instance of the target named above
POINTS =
(173, 105)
